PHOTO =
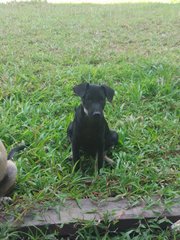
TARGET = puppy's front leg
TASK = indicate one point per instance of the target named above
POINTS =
(75, 153)
(100, 156)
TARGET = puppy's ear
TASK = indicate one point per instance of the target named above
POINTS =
(109, 92)
(81, 89)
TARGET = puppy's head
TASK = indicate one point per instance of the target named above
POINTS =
(94, 98)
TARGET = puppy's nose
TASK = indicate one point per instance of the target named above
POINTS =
(96, 114)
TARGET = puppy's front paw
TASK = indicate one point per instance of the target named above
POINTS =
(109, 160)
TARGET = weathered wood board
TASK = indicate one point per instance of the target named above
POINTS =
(67, 217)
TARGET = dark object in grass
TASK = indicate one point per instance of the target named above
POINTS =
(8, 169)
(89, 130)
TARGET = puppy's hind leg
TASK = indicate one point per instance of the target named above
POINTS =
(7, 184)
(113, 141)
(70, 131)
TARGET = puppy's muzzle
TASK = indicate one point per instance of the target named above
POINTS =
(97, 114)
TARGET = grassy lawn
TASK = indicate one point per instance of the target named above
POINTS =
(45, 50)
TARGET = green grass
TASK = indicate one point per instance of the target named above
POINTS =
(46, 50)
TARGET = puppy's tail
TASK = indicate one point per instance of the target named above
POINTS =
(15, 150)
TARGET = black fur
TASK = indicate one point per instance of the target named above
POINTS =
(89, 130)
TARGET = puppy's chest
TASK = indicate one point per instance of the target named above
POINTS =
(90, 136)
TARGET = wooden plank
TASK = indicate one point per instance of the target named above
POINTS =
(66, 218)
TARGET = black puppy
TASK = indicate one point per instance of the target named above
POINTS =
(89, 130)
